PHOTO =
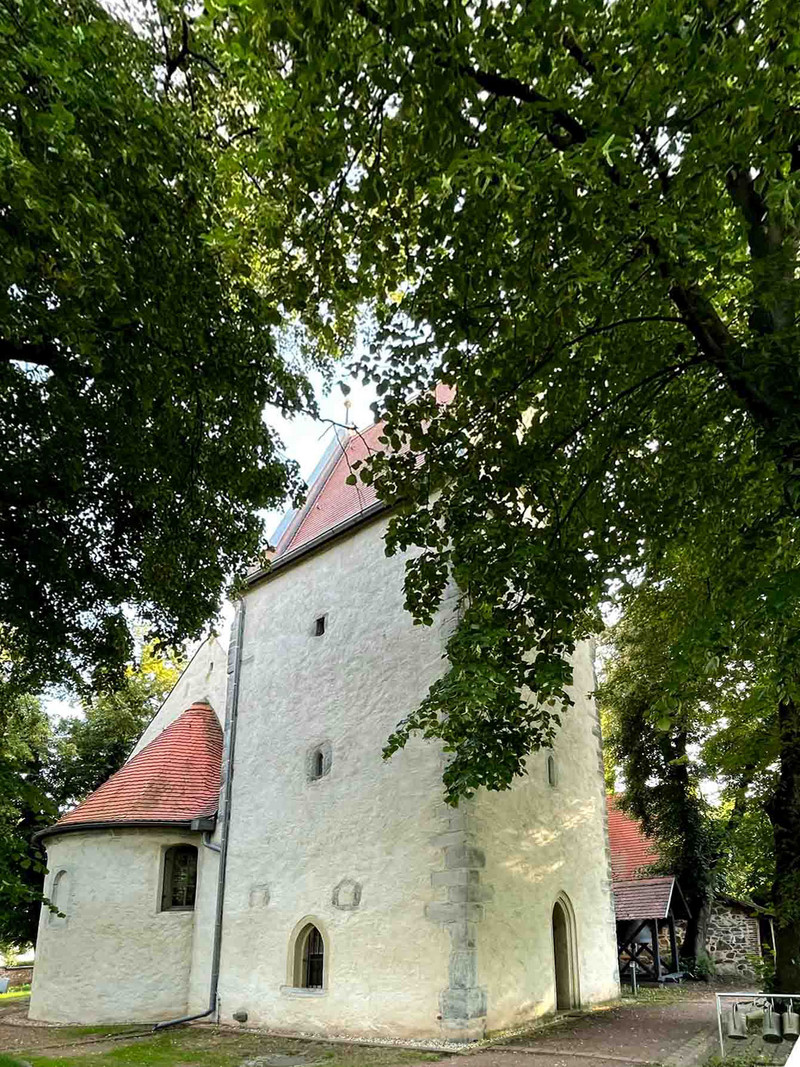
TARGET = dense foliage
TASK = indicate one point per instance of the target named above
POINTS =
(25, 807)
(677, 728)
(585, 217)
(135, 359)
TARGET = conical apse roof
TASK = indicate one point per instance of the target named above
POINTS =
(174, 779)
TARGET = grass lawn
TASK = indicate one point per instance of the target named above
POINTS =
(204, 1047)
(14, 994)
(666, 994)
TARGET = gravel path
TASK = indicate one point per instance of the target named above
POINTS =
(680, 1034)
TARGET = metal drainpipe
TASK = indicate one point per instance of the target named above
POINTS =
(209, 843)
(222, 848)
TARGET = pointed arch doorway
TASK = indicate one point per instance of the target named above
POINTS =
(565, 955)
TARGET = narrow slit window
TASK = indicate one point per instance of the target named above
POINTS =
(319, 626)
(318, 761)
(552, 771)
(180, 878)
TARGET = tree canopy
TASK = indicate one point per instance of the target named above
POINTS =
(584, 216)
(676, 727)
(136, 358)
(25, 807)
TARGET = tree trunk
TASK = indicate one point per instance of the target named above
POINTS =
(694, 940)
(784, 814)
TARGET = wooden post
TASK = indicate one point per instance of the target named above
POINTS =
(656, 949)
(673, 945)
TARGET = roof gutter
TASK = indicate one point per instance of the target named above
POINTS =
(234, 672)
(203, 823)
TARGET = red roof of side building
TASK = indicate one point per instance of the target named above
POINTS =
(638, 892)
(174, 779)
(632, 852)
(643, 898)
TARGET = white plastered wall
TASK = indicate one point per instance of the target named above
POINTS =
(115, 956)
(293, 841)
(541, 841)
(455, 907)
(204, 678)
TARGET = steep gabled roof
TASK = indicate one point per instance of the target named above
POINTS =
(643, 898)
(332, 505)
(331, 501)
(173, 780)
(632, 852)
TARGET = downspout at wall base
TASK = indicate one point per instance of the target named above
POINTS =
(226, 791)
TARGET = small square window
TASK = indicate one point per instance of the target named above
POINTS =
(319, 626)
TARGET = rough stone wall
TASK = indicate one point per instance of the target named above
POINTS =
(354, 850)
(732, 937)
(115, 956)
(17, 975)
(539, 842)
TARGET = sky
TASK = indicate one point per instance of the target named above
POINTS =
(306, 440)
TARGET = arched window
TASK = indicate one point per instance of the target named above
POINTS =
(309, 964)
(552, 770)
(180, 878)
(58, 899)
(318, 761)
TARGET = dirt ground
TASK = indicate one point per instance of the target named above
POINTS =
(671, 1028)
(45, 1039)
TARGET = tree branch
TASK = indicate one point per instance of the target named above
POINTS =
(762, 239)
(670, 373)
(500, 85)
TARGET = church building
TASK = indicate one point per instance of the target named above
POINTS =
(256, 860)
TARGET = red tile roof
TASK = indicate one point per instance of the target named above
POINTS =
(632, 852)
(638, 894)
(643, 898)
(331, 501)
(174, 779)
